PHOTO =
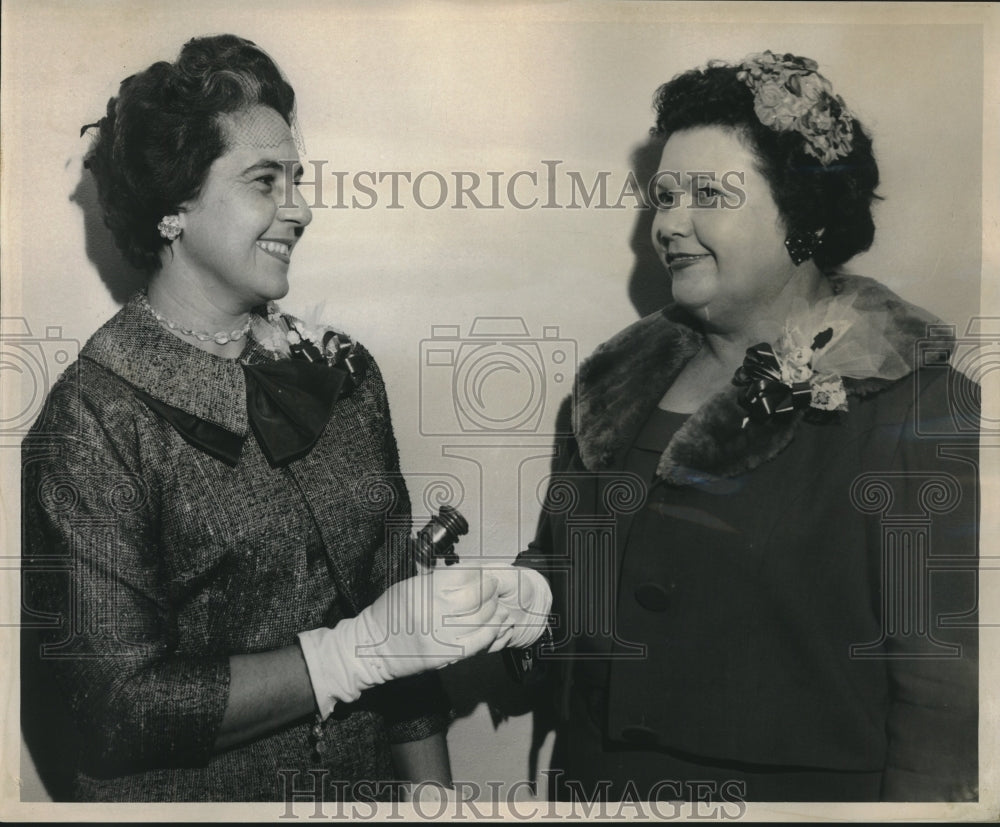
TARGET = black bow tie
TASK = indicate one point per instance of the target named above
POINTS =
(289, 403)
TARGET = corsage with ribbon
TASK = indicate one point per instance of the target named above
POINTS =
(290, 338)
(805, 368)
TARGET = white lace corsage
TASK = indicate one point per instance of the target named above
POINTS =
(805, 368)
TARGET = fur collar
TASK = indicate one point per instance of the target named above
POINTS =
(621, 383)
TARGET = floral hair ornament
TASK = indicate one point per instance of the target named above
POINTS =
(790, 95)
(805, 368)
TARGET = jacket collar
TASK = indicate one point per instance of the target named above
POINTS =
(133, 345)
(622, 382)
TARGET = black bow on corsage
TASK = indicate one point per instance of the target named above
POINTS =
(764, 395)
(289, 401)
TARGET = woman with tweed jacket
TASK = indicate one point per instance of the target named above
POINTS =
(211, 492)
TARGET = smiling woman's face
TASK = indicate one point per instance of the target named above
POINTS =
(726, 254)
(238, 234)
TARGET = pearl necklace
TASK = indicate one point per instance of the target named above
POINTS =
(222, 337)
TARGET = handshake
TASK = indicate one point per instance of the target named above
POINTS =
(433, 619)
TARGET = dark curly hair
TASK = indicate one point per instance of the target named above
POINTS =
(809, 196)
(163, 132)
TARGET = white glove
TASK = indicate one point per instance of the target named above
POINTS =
(427, 621)
(528, 597)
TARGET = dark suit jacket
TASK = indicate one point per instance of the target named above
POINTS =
(811, 600)
(148, 563)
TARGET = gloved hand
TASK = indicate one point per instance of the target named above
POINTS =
(528, 598)
(424, 622)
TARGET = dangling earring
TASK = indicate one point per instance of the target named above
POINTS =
(169, 227)
(802, 246)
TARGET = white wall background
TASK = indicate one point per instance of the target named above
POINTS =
(494, 86)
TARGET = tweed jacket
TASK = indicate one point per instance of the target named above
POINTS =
(155, 562)
(810, 597)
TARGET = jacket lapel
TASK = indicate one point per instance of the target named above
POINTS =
(133, 345)
(620, 384)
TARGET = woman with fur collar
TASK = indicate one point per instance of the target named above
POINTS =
(761, 535)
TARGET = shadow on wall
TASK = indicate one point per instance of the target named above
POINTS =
(649, 282)
(118, 276)
(484, 679)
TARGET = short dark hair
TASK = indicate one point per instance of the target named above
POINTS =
(162, 132)
(837, 197)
